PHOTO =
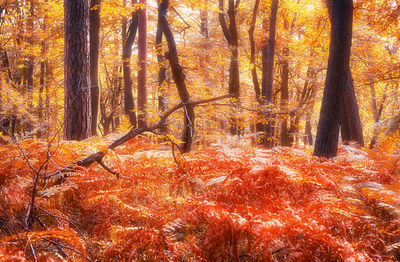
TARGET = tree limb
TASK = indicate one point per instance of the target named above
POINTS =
(98, 156)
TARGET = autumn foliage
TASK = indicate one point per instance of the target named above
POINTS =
(220, 203)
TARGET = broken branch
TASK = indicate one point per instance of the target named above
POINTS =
(98, 156)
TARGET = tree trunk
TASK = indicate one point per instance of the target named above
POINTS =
(253, 53)
(341, 16)
(94, 17)
(268, 68)
(350, 121)
(162, 70)
(377, 113)
(42, 83)
(204, 23)
(128, 37)
(77, 112)
(179, 78)
(285, 139)
(308, 139)
(142, 64)
(31, 62)
(232, 37)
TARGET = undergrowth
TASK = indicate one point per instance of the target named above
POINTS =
(217, 204)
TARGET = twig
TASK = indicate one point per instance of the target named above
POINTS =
(173, 144)
(60, 247)
(33, 252)
(101, 163)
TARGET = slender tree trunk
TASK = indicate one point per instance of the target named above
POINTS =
(350, 121)
(31, 62)
(128, 37)
(162, 70)
(142, 64)
(179, 78)
(42, 83)
(308, 139)
(94, 17)
(377, 113)
(204, 23)
(285, 139)
(268, 69)
(341, 16)
(254, 76)
(77, 112)
(47, 94)
(232, 37)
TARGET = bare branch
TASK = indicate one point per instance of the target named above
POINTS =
(98, 156)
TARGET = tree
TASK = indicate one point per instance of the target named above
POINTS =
(179, 78)
(77, 110)
(253, 53)
(285, 139)
(128, 37)
(341, 16)
(162, 70)
(142, 63)
(94, 20)
(351, 129)
(232, 37)
(268, 72)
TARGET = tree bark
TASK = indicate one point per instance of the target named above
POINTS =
(128, 37)
(308, 139)
(204, 23)
(254, 76)
(77, 110)
(377, 113)
(179, 78)
(341, 16)
(285, 139)
(162, 70)
(42, 83)
(142, 64)
(232, 37)
(94, 21)
(351, 129)
(268, 68)
(31, 62)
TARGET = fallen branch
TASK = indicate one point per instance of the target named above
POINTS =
(98, 156)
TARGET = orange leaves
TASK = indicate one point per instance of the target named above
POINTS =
(221, 204)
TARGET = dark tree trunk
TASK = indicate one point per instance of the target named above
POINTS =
(308, 139)
(77, 113)
(142, 64)
(377, 113)
(128, 37)
(232, 37)
(350, 121)
(285, 139)
(254, 76)
(204, 23)
(341, 16)
(162, 70)
(94, 20)
(31, 62)
(42, 83)
(179, 78)
(268, 71)
(47, 91)
(259, 126)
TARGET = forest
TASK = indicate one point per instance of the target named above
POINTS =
(199, 130)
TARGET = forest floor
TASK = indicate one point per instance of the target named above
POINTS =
(218, 203)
